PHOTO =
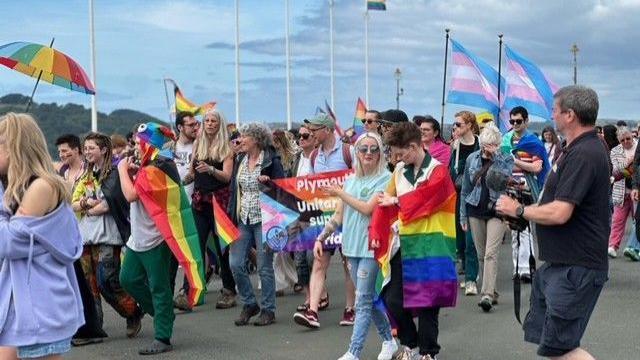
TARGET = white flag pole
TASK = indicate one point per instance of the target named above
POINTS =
(92, 47)
(333, 105)
(366, 53)
(288, 63)
(237, 65)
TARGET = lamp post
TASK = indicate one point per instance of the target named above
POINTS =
(399, 91)
(574, 50)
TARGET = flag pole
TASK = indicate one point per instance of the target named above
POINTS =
(237, 65)
(166, 95)
(366, 53)
(499, 69)
(92, 47)
(333, 105)
(37, 82)
(288, 63)
(444, 77)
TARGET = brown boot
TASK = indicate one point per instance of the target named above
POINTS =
(226, 300)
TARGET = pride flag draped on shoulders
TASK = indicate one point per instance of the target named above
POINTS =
(425, 229)
(162, 195)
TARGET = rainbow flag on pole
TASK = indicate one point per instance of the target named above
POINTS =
(182, 104)
(358, 118)
(376, 5)
(159, 189)
(225, 229)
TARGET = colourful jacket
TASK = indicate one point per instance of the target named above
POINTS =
(39, 296)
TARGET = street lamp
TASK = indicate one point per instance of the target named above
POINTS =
(399, 91)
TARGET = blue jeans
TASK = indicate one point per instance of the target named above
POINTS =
(363, 273)
(633, 239)
(238, 253)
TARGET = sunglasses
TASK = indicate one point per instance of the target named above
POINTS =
(368, 122)
(235, 142)
(305, 136)
(517, 121)
(457, 124)
(373, 149)
(626, 139)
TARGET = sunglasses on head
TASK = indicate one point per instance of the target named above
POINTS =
(486, 121)
(516, 121)
(373, 149)
(305, 136)
(368, 122)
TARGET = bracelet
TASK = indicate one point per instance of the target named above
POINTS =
(211, 170)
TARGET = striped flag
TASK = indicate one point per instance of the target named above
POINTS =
(225, 229)
(358, 118)
(474, 82)
(333, 116)
(182, 104)
(527, 86)
(376, 5)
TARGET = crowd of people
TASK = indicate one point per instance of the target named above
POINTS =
(87, 229)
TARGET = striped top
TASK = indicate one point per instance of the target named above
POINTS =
(518, 174)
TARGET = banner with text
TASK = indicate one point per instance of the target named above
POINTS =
(294, 211)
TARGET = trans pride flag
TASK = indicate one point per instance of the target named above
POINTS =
(527, 86)
(474, 82)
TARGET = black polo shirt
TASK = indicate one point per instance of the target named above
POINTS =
(581, 177)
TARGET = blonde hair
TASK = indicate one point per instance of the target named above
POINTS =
(219, 148)
(284, 148)
(29, 157)
(382, 165)
(490, 135)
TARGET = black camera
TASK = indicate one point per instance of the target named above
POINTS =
(520, 193)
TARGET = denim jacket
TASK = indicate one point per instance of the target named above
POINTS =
(471, 192)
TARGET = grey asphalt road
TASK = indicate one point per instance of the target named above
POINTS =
(465, 331)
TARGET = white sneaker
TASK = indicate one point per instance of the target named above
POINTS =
(612, 253)
(463, 284)
(471, 288)
(348, 356)
(388, 349)
(405, 354)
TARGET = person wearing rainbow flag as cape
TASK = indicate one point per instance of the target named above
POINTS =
(416, 253)
(531, 166)
(161, 224)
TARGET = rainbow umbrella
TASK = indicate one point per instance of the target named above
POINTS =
(47, 64)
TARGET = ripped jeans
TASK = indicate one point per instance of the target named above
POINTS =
(363, 273)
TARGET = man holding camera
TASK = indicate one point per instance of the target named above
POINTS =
(530, 167)
(572, 223)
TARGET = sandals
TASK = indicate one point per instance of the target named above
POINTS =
(297, 288)
(156, 347)
(324, 303)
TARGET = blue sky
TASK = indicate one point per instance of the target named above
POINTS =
(140, 42)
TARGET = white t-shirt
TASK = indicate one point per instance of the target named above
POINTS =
(183, 161)
(304, 166)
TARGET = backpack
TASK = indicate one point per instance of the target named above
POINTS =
(346, 156)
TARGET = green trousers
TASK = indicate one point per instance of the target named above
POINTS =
(146, 276)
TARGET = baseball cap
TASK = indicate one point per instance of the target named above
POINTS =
(321, 120)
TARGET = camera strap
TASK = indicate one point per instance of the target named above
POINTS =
(516, 279)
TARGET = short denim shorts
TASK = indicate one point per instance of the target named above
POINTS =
(42, 350)
(562, 300)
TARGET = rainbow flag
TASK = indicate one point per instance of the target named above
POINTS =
(182, 104)
(159, 189)
(226, 230)
(376, 5)
(333, 116)
(358, 118)
(428, 242)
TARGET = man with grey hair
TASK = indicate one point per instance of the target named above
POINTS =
(572, 222)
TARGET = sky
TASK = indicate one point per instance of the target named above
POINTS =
(138, 43)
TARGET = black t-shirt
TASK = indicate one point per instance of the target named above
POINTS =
(482, 210)
(466, 150)
(581, 177)
(205, 182)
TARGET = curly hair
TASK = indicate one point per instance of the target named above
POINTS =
(260, 133)
(469, 118)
